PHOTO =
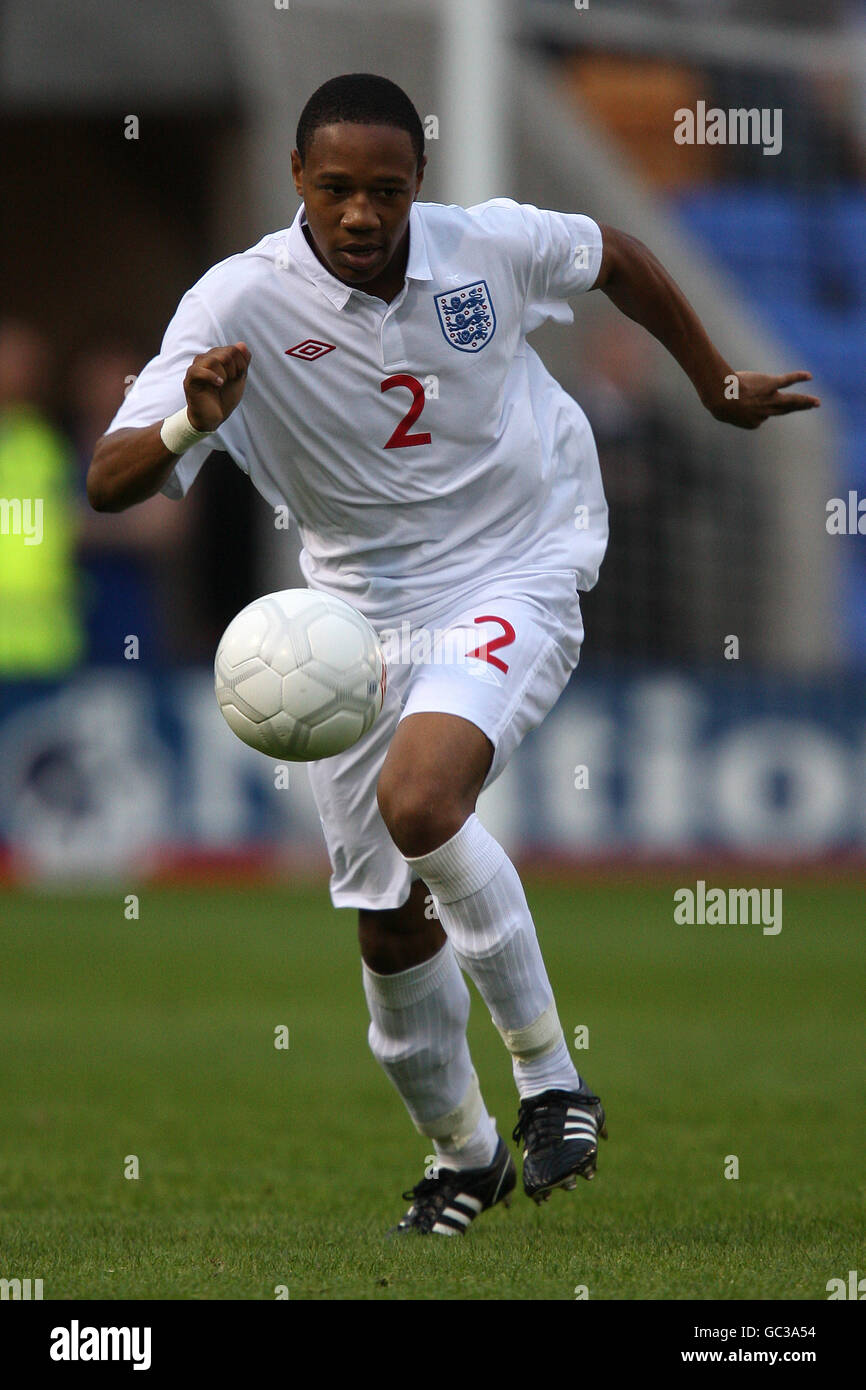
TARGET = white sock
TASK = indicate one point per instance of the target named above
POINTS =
(478, 1150)
(546, 1073)
(484, 913)
(418, 1036)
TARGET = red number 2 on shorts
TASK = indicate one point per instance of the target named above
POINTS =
(483, 652)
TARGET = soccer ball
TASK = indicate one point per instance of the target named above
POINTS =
(299, 675)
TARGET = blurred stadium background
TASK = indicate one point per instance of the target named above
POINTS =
(143, 143)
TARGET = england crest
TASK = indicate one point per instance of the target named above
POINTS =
(467, 316)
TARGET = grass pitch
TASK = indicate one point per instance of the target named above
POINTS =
(262, 1167)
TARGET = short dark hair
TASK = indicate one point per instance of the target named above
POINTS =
(360, 98)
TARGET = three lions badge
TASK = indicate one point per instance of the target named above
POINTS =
(467, 316)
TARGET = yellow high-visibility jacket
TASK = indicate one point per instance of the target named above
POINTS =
(41, 631)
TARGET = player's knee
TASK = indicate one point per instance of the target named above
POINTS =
(420, 815)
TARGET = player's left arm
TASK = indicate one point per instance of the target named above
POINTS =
(638, 284)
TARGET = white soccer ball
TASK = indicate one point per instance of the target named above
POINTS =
(299, 675)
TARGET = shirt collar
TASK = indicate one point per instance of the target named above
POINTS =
(417, 267)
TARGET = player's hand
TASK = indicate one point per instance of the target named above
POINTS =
(214, 384)
(759, 397)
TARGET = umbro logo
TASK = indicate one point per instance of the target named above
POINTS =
(310, 349)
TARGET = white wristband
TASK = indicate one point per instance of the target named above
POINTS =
(178, 435)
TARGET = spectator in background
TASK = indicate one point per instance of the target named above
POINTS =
(135, 563)
(41, 630)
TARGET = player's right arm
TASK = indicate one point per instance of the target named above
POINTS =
(130, 465)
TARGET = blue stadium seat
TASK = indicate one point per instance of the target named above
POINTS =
(802, 264)
(760, 235)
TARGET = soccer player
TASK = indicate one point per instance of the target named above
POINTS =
(476, 514)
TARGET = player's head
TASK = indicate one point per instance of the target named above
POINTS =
(360, 98)
(358, 167)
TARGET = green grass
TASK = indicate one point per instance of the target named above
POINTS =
(261, 1167)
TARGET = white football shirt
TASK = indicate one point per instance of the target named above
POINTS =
(421, 446)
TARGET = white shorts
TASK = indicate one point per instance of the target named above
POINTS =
(497, 659)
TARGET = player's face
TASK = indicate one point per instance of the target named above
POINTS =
(358, 184)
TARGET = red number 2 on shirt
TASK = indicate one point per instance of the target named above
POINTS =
(508, 636)
(401, 438)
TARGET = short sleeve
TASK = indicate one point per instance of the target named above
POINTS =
(552, 255)
(158, 390)
(566, 253)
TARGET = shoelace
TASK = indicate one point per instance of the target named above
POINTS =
(540, 1120)
(424, 1194)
